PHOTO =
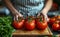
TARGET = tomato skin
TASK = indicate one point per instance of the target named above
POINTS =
(59, 25)
(51, 21)
(30, 25)
(55, 27)
(18, 25)
(54, 6)
(41, 25)
(58, 17)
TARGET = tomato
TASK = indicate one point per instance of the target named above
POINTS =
(59, 22)
(55, 26)
(54, 6)
(58, 17)
(51, 20)
(18, 24)
(59, 25)
(41, 24)
(30, 23)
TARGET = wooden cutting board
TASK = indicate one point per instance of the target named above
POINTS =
(34, 32)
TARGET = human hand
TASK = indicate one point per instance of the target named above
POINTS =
(44, 16)
(17, 15)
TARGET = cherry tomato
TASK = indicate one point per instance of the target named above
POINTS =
(30, 23)
(18, 24)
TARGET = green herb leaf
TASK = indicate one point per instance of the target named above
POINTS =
(6, 29)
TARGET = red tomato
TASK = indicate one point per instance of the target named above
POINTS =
(55, 26)
(54, 6)
(51, 20)
(18, 24)
(41, 23)
(30, 23)
(59, 25)
(58, 17)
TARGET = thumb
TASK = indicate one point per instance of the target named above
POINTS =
(15, 17)
(46, 18)
(20, 15)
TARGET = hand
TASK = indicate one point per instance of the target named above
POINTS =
(44, 15)
(17, 15)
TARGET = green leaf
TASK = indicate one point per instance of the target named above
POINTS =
(6, 29)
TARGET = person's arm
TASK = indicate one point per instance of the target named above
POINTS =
(11, 7)
(47, 6)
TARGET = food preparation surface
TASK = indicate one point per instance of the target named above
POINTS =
(34, 32)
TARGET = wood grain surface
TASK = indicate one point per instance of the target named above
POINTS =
(34, 32)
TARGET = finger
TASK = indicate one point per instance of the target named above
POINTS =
(20, 15)
(41, 14)
(46, 18)
(38, 14)
(16, 17)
